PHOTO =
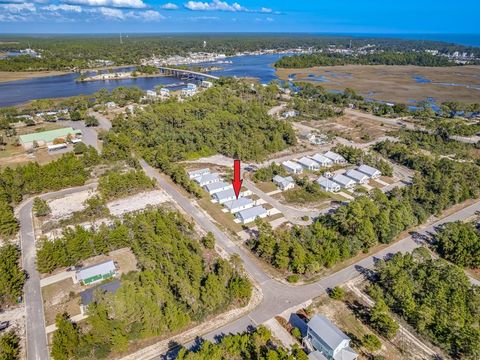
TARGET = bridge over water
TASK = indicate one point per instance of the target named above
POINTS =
(186, 74)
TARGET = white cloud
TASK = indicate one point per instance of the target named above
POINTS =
(128, 4)
(170, 6)
(150, 15)
(111, 13)
(265, 10)
(269, 19)
(214, 5)
(18, 8)
(63, 7)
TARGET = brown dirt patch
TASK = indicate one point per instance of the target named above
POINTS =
(6, 76)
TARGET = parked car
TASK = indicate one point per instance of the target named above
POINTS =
(4, 325)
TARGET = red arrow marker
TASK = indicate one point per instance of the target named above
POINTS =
(236, 182)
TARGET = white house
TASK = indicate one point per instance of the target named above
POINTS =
(225, 195)
(151, 94)
(96, 273)
(371, 172)
(325, 341)
(207, 84)
(217, 187)
(323, 161)
(110, 105)
(328, 185)
(358, 176)
(248, 215)
(242, 203)
(292, 167)
(336, 158)
(344, 181)
(284, 183)
(198, 173)
(308, 163)
(164, 92)
(207, 179)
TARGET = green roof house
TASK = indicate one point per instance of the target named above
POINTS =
(45, 137)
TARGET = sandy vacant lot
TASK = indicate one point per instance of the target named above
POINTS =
(396, 83)
(137, 202)
(65, 206)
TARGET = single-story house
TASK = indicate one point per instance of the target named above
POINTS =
(110, 105)
(225, 195)
(151, 94)
(292, 167)
(325, 341)
(207, 179)
(88, 296)
(242, 203)
(336, 158)
(96, 273)
(323, 161)
(164, 92)
(248, 215)
(328, 185)
(217, 187)
(198, 173)
(344, 181)
(358, 176)
(308, 163)
(371, 172)
(206, 84)
(284, 183)
(47, 137)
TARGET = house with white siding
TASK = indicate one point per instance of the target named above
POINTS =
(292, 167)
(207, 179)
(358, 176)
(242, 203)
(217, 187)
(323, 161)
(284, 183)
(249, 215)
(344, 181)
(336, 158)
(308, 163)
(198, 173)
(327, 184)
(371, 172)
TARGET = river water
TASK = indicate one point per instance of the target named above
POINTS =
(17, 92)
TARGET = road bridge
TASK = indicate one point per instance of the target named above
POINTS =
(186, 74)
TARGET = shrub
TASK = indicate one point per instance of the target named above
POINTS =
(40, 207)
(293, 278)
(337, 293)
(371, 342)
(296, 333)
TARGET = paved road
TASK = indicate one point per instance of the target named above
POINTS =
(35, 320)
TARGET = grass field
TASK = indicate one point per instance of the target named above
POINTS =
(6, 76)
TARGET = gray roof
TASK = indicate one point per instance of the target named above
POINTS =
(292, 165)
(342, 179)
(356, 175)
(98, 269)
(216, 185)
(316, 355)
(368, 170)
(207, 178)
(327, 183)
(199, 172)
(253, 212)
(321, 159)
(87, 296)
(334, 156)
(283, 180)
(328, 332)
(307, 162)
(225, 194)
(234, 204)
(346, 354)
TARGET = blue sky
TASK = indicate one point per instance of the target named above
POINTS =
(332, 16)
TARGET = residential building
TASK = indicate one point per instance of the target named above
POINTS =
(284, 183)
(198, 173)
(323, 161)
(225, 195)
(96, 273)
(336, 158)
(308, 163)
(326, 341)
(110, 105)
(316, 139)
(248, 215)
(88, 296)
(47, 137)
(358, 176)
(190, 90)
(242, 203)
(207, 84)
(164, 92)
(207, 179)
(292, 167)
(289, 114)
(151, 94)
(371, 172)
(328, 185)
(217, 187)
(344, 181)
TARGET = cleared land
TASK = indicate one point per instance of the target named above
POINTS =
(396, 83)
(6, 76)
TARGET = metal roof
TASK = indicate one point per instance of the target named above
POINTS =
(197, 173)
(49, 136)
(321, 159)
(216, 185)
(87, 296)
(342, 179)
(98, 269)
(334, 156)
(207, 178)
(307, 162)
(327, 183)
(292, 165)
(283, 180)
(368, 170)
(252, 213)
(235, 204)
(328, 332)
(225, 194)
(356, 175)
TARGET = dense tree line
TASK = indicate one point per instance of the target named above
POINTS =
(459, 243)
(12, 277)
(258, 344)
(177, 283)
(377, 58)
(68, 52)
(315, 109)
(370, 219)
(358, 156)
(114, 184)
(9, 346)
(269, 172)
(32, 178)
(436, 298)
